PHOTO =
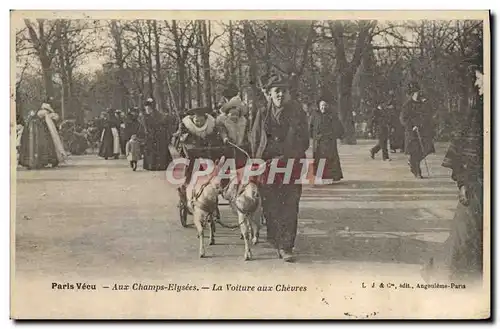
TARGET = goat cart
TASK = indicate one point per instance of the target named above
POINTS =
(213, 153)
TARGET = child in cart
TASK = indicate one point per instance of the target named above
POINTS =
(200, 138)
(233, 127)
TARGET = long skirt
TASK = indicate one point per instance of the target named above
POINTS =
(37, 148)
(110, 143)
(466, 238)
(328, 151)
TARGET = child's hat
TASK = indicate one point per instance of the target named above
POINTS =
(234, 102)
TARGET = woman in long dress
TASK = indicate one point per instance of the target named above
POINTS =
(110, 139)
(325, 129)
(40, 143)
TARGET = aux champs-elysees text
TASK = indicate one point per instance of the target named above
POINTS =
(295, 171)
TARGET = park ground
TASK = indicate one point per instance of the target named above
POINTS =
(99, 220)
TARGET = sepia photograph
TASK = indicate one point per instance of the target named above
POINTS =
(250, 165)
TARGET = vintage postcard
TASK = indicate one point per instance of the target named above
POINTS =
(250, 165)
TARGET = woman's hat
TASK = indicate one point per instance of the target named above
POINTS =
(199, 111)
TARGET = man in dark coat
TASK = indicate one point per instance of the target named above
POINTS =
(280, 131)
(325, 129)
(397, 131)
(381, 118)
(154, 134)
(419, 135)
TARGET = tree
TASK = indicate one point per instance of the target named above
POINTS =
(346, 69)
(183, 41)
(44, 38)
(76, 42)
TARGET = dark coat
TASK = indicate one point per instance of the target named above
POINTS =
(325, 129)
(296, 140)
(288, 139)
(154, 133)
(380, 121)
(417, 114)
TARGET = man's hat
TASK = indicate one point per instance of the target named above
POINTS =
(230, 91)
(199, 111)
(276, 80)
(149, 101)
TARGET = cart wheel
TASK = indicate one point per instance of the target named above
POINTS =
(183, 216)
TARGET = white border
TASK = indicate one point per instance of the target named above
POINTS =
(178, 5)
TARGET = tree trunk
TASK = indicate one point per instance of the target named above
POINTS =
(205, 57)
(240, 75)
(252, 69)
(64, 83)
(181, 70)
(188, 87)
(150, 61)
(232, 75)
(268, 50)
(344, 104)
(198, 75)
(139, 63)
(159, 78)
(181, 73)
(47, 77)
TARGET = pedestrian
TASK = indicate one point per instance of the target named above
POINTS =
(465, 158)
(133, 151)
(416, 118)
(325, 129)
(155, 135)
(40, 143)
(280, 131)
(397, 131)
(381, 118)
(110, 139)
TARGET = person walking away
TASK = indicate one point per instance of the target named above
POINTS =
(325, 129)
(417, 121)
(380, 121)
(133, 151)
(40, 143)
(280, 131)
